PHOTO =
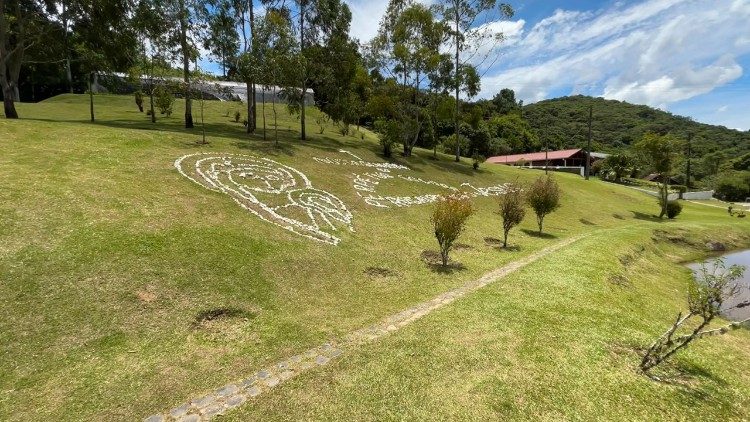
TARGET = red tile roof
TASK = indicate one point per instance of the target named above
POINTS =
(533, 156)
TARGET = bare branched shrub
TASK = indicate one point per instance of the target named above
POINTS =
(512, 209)
(543, 196)
(706, 295)
(449, 219)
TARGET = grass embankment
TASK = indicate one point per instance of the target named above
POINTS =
(109, 259)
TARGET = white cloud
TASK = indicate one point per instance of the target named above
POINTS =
(722, 109)
(655, 52)
(366, 15)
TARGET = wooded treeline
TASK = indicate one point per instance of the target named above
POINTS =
(414, 84)
(411, 84)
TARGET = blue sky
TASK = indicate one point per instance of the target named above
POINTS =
(689, 57)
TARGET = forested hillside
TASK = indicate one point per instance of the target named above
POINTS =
(616, 124)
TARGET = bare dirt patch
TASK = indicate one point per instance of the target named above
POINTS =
(380, 272)
(462, 247)
(434, 261)
(223, 324)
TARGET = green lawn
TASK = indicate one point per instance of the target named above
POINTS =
(109, 258)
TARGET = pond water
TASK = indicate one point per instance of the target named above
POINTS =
(735, 258)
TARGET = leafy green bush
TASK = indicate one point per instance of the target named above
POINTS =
(476, 160)
(512, 209)
(449, 144)
(164, 100)
(389, 133)
(681, 189)
(733, 186)
(543, 196)
(674, 208)
(449, 219)
(139, 100)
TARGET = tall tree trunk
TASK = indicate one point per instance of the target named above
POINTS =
(91, 95)
(151, 97)
(68, 72)
(458, 87)
(664, 195)
(275, 123)
(263, 101)
(9, 106)
(302, 135)
(249, 90)
(186, 64)
(10, 61)
(252, 119)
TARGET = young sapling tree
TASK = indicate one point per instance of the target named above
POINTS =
(449, 219)
(543, 196)
(512, 209)
(707, 293)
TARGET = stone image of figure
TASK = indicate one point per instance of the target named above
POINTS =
(274, 192)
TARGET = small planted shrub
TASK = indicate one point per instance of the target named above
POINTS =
(476, 160)
(164, 100)
(344, 129)
(322, 121)
(741, 214)
(139, 100)
(674, 209)
(681, 189)
(512, 209)
(449, 219)
(543, 197)
(237, 116)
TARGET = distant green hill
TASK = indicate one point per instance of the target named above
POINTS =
(616, 124)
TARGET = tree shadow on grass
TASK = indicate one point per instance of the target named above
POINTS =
(497, 244)
(587, 222)
(242, 139)
(646, 217)
(687, 378)
(434, 263)
(535, 233)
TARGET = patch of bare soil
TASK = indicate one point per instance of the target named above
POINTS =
(223, 324)
(380, 272)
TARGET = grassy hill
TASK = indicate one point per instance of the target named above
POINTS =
(617, 124)
(129, 289)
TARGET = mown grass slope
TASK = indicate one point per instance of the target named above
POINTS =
(109, 258)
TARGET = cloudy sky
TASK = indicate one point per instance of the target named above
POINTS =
(690, 57)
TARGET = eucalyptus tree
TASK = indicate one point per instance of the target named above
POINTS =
(222, 39)
(188, 18)
(153, 26)
(23, 23)
(468, 34)
(103, 36)
(275, 50)
(408, 48)
(326, 51)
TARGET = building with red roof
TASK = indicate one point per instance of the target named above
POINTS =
(570, 160)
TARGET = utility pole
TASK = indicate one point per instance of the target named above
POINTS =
(690, 153)
(546, 155)
(588, 146)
